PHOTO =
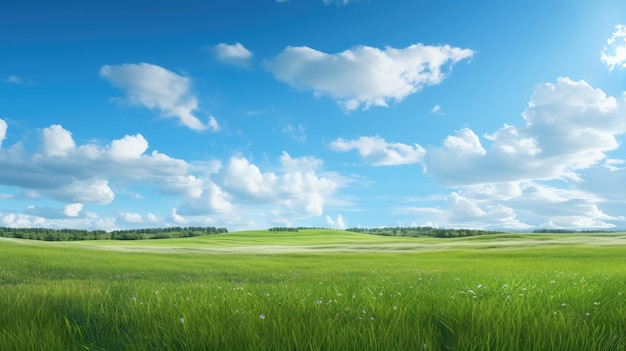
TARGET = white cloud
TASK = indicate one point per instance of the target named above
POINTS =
(80, 174)
(57, 141)
(614, 53)
(130, 217)
(304, 163)
(21, 220)
(155, 87)
(92, 191)
(242, 177)
(522, 206)
(296, 132)
(336, 224)
(436, 110)
(207, 198)
(461, 211)
(376, 151)
(213, 125)
(297, 190)
(338, 2)
(176, 218)
(14, 79)
(204, 191)
(569, 127)
(72, 210)
(129, 147)
(152, 218)
(3, 130)
(365, 76)
(235, 54)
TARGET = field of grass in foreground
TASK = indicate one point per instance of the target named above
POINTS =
(503, 292)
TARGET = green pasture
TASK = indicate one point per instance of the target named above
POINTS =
(316, 290)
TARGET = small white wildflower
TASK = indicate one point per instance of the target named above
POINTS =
(552, 281)
(395, 308)
(563, 304)
(380, 293)
(596, 303)
(133, 299)
(479, 286)
(181, 320)
(371, 318)
(261, 316)
(156, 292)
(319, 302)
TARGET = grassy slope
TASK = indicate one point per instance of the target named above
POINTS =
(510, 291)
(320, 240)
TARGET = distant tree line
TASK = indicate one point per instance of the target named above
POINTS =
(290, 229)
(565, 231)
(46, 234)
(422, 232)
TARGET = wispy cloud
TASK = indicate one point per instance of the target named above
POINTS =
(338, 2)
(365, 76)
(376, 151)
(14, 80)
(614, 53)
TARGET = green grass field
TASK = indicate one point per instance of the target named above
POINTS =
(316, 290)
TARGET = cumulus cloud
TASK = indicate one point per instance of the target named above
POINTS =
(176, 218)
(3, 130)
(131, 217)
(236, 54)
(462, 211)
(337, 223)
(204, 197)
(57, 141)
(569, 127)
(155, 87)
(27, 220)
(72, 210)
(205, 192)
(93, 191)
(365, 76)
(129, 147)
(74, 173)
(298, 188)
(614, 53)
(376, 151)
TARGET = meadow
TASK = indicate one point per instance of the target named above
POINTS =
(316, 290)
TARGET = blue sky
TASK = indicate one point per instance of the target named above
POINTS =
(254, 114)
